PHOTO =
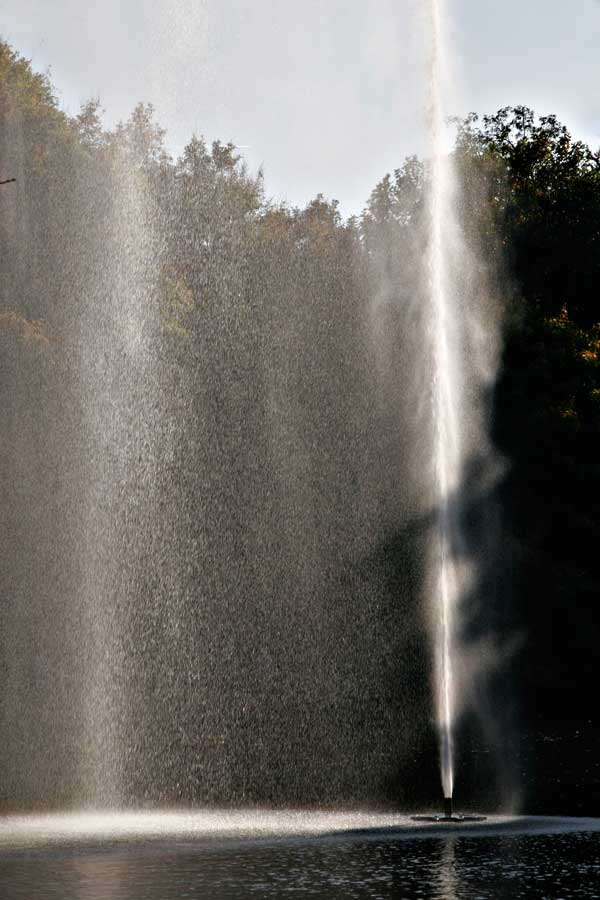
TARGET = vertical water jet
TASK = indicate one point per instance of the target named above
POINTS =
(443, 332)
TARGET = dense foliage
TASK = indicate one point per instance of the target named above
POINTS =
(548, 399)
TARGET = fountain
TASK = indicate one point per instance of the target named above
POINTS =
(213, 582)
(446, 391)
(447, 388)
(453, 295)
(234, 591)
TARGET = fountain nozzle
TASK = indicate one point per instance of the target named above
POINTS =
(449, 816)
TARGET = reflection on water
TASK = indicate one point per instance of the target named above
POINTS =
(453, 868)
(448, 879)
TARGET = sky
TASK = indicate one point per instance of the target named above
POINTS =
(326, 95)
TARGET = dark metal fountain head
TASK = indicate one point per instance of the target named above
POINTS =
(449, 815)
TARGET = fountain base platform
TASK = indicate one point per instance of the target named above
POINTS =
(454, 819)
(449, 815)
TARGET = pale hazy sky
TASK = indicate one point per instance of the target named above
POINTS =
(327, 95)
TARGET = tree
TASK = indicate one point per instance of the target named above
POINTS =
(547, 195)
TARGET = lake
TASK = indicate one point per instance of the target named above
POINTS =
(301, 855)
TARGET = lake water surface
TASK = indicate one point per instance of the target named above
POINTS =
(492, 864)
